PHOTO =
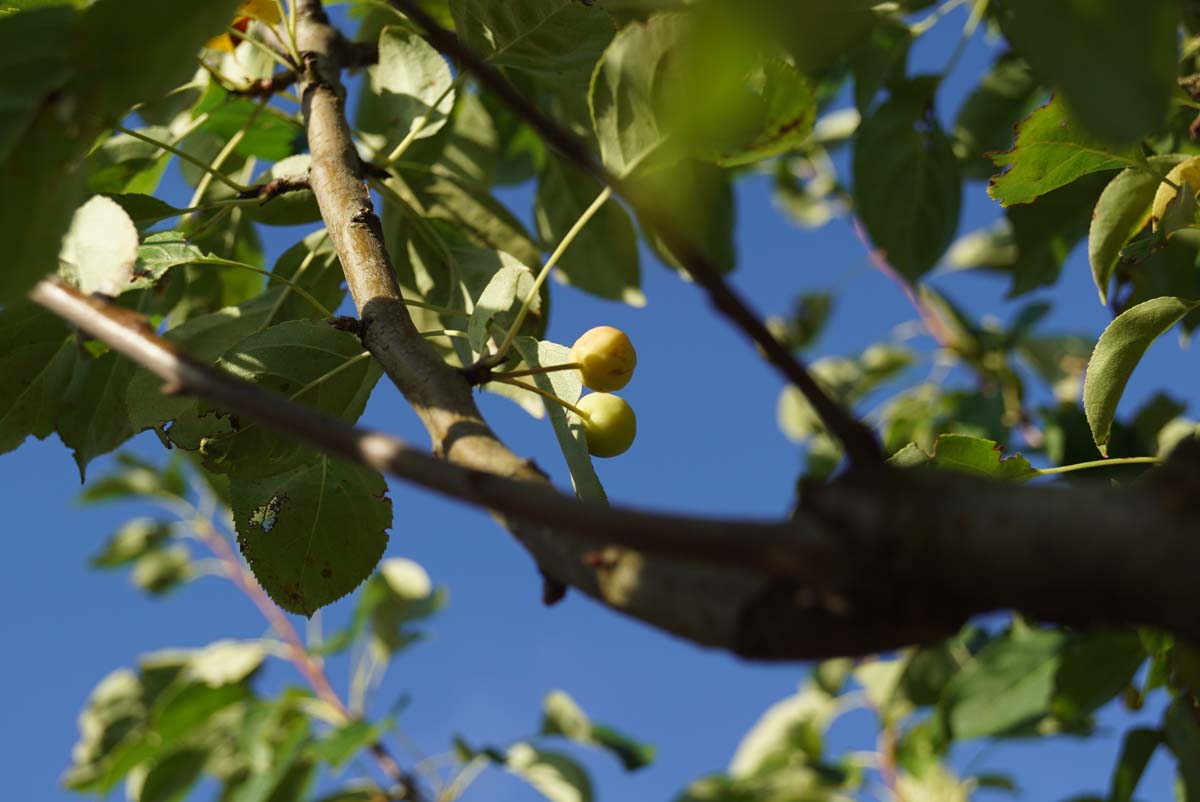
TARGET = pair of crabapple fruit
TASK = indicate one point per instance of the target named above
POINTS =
(605, 359)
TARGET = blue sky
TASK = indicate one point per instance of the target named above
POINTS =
(708, 443)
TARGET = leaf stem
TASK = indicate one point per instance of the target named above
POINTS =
(513, 374)
(303, 293)
(187, 157)
(544, 394)
(324, 377)
(422, 122)
(219, 160)
(1100, 463)
(568, 238)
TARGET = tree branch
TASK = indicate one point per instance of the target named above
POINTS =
(773, 548)
(881, 558)
(860, 443)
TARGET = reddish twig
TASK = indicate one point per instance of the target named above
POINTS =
(933, 324)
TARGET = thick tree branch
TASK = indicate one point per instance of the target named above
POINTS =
(859, 441)
(879, 559)
(773, 548)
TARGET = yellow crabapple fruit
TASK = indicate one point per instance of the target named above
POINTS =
(1186, 171)
(610, 424)
(606, 358)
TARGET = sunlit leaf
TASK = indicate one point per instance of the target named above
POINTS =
(603, 257)
(413, 84)
(1118, 352)
(1122, 212)
(1051, 151)
(567, 385)
(100, 248)
(562, 716)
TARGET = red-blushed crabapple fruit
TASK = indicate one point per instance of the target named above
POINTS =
(606, 358)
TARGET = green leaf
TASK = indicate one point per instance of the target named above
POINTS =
(34, 61)
(784, 108)
(881, 59)
(603, 258)
(788, 731)
(471, 209)
(555, 776)
(109, 728)
(399, 594)
(225, 662)
(1095, 668)
(1136, 750)
(314, 533)
(161, 251)
(291, 208)
(136, 479)
(1083, 47)
(1121, 213)
(100, 248)
(567, 385)
(134, 539)
(160, 571)
(906, 180)
(144, 210)
(562, 716)
(1118, 352)
(697, 200)
(41, 186)
(557, 42)
(410, 79)
(1046, 230)
(182, 711)
(973, 455)
(308, 361)
(627, 93)
(136, 50)
(817, 33)
(37, 359)
(986, 119)
(500, 300)
(125, 164)
(171, 777)
(1008, 684)
(347, 741)
(1051, 151)
(93, 419)
(266, 135)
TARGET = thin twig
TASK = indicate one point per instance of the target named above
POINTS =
(859, 441)
(933, 324)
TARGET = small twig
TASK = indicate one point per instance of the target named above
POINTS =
(859, 441)
(275, 187)
(265, 87)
